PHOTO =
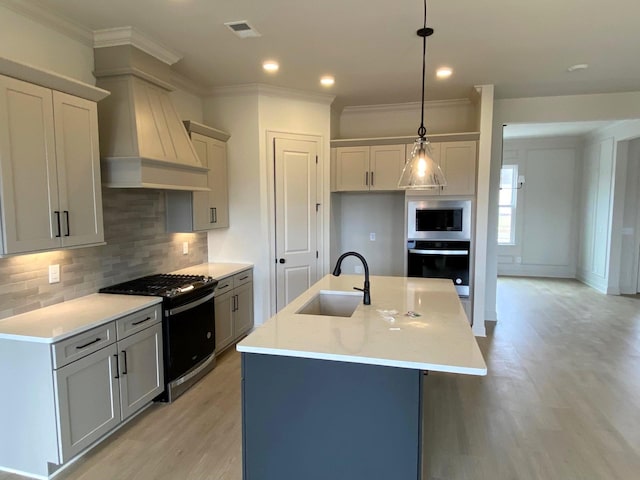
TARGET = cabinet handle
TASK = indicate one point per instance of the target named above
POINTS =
(223, 287)
(366, 178)
(215, 215)
(124, 354)
(211, 220)
(80, 347)
(117, 366)
(66, 217)
(57, 213)
(141, 321)
(244, 278)
(372, 182)
(235, 303)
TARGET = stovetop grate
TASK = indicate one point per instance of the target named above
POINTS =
(162, 285)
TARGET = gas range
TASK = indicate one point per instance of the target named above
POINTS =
(188, 325)
(162, 285)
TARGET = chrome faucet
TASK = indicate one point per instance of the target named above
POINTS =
(365, 290)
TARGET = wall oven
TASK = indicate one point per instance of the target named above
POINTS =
(439, 220)
(188, 325)
(440, 259)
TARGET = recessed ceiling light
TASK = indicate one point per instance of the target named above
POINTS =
(444, 72)
(270, 66)
(327, 80)
(578, 66)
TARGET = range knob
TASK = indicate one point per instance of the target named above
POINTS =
(458, 281)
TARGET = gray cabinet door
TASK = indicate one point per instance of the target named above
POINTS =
(88, 403)
(141, 373)
(224, 319)
(243, 315)
(28, 175)
(78, 161)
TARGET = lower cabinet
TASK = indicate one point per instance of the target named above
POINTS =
(100, 390)
(234, 308)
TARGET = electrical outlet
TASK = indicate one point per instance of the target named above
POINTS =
(54, 273)
(518, 259)
(372, 236)
(358, 269)
(185, 248)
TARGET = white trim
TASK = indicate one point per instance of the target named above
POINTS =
(405, 106)
(51, 19)
(186, 84)
(270, 90)
(112, 37)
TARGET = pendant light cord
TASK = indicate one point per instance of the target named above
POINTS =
(422, 131)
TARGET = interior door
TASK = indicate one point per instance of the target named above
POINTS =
(295, 217)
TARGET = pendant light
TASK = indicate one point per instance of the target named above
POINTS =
(421, 171)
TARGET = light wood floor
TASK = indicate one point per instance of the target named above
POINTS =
(561, 401)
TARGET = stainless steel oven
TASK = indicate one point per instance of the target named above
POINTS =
(440, 259)
(439, 219)
(188, 325)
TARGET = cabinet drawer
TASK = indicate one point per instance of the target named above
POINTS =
(224, 285)
(138, 321)
(81, 345)
(242, 278)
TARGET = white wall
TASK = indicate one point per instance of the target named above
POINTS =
(404, 119)
(248, 115)
(610, 205)
(613, 106)
(359, 215)
(28, 41)
(188, 105)
(546, 210)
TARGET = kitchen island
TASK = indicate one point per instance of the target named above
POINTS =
(337, 394)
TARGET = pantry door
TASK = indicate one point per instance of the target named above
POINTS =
(296, 214)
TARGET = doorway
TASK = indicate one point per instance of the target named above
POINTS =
(297, 235)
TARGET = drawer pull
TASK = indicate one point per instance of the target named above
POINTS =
(80, 347)
(224, 286)
(245, 277)
(117, 366)
(124, 354)
(141, 321)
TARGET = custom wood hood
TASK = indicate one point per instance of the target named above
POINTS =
(143, 142)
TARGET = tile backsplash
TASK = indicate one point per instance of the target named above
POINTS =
(137, 245)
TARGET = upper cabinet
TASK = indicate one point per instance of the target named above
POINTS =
(458, 163)
(50, 193)
(200, 211)
(368, 168)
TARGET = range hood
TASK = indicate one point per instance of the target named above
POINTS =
(143, 142)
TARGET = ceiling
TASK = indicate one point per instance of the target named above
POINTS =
(371, 46)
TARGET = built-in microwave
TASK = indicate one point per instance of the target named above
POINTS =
(439, 220)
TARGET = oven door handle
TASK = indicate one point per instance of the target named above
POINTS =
(440, 252)
(183, 308)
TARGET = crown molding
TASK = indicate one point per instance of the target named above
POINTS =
(409, 106)
(44, 16)
(272, 91)
(188, 85)
(113, 37)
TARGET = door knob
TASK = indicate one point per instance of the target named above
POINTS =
(282, 260)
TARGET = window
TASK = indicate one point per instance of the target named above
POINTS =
(507, 205)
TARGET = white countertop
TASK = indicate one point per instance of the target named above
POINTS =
(439, 340)
(215, 270)
(63, 320)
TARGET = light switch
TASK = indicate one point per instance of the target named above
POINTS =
(185, 248)
(54, 273)
(372, 236)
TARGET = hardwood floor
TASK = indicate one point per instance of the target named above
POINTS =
(561, 401)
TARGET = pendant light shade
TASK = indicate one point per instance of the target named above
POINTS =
(420, 170)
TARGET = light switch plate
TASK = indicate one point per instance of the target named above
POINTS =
(185, 248)
(372, 236)
(54, 273)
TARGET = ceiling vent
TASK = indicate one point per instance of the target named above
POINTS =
(242, 29)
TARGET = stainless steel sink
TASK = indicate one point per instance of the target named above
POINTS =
(332, 304)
